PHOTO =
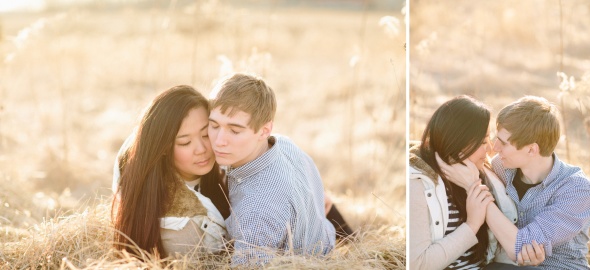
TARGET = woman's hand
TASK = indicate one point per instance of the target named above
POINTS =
(327, 203)
(478, 198)
(531, 254)
(462, 175)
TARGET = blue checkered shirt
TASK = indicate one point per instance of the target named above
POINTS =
(277, 203)
(555, 213)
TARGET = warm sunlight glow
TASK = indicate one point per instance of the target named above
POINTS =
(22, 5)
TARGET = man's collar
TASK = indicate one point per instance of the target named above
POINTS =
(256, 165)
(554, 173)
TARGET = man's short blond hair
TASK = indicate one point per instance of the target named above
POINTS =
(529, 120)
(247, 93)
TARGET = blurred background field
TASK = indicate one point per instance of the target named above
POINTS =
(499, 51)
(75, 76)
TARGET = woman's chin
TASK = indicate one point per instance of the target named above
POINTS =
(479, 164)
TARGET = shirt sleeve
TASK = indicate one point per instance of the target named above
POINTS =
(259, 235)
(499, 169)
(428, 254)
(560, 221)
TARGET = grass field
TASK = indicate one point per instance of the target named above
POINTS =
(499, 51)
(74, 81)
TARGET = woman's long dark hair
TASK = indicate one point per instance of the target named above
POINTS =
(455, 131)
(148, 167)
(216, 190)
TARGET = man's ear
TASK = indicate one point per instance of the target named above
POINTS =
(266, 130)
(533, 149)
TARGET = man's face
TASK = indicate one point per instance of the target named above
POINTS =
(511, 157)
(234, 142)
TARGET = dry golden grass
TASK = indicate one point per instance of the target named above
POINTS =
(499, 51)
(74, 82)
(84, 240)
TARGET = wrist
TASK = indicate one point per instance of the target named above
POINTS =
(476, 181)
(473, 226)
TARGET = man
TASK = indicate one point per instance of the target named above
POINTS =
(275, 189)
(552, 197)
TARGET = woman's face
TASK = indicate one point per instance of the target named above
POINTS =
(480, 156)
(192, 150)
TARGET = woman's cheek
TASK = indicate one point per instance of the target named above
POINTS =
(477, 161)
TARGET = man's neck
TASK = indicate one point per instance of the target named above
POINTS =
(537, 170)
(260, 150)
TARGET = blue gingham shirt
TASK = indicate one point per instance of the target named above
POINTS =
(277, 203)
(555, 213)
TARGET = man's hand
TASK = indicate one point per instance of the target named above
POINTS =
(462, 175)
(531, 254)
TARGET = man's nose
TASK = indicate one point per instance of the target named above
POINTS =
(497, 146)
(220, 139)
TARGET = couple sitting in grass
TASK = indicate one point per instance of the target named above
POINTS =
(525, 209)
(197, 174)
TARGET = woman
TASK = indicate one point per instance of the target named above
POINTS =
(157, 207)
(447, 226)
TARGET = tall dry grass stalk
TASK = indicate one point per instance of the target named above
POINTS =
(574, 99)
(561, 100)
(355, 87)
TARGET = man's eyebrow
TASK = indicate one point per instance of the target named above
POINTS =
(229, 124)
(502, 141)
(236, 125)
